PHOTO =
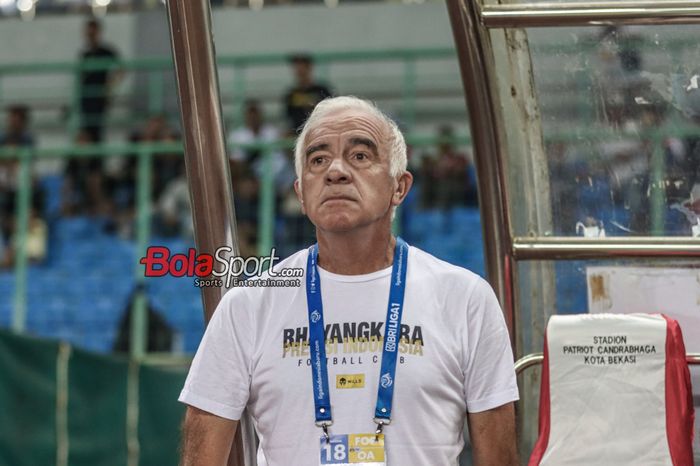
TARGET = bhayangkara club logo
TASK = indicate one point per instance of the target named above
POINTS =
(386, 381)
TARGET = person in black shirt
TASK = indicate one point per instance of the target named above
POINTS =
(95, 84)
(299, 102)
(301, 99)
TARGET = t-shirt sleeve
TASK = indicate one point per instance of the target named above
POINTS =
(219, 378)
(489, 372)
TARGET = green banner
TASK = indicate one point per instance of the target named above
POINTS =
(63, 406)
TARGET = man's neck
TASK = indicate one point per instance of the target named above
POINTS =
(355, 253)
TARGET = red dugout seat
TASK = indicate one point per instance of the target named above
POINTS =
(615, 392)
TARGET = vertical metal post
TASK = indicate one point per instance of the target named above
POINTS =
(266, 204)
(474, 55)
(138, 340)
(205, 157)
(19, 239)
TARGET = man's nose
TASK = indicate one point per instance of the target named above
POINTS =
(337, 172)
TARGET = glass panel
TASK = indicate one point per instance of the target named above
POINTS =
(619, 110)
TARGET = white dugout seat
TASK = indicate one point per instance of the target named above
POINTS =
(615, 392)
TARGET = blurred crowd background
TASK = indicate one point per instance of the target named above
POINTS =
(100, 156)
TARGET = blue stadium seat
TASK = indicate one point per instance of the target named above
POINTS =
(51, 185)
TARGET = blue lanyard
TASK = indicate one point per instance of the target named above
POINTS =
(392, 333)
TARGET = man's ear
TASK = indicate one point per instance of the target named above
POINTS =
(403, 186)
(297, 190)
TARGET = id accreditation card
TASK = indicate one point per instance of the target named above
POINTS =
(353, 449)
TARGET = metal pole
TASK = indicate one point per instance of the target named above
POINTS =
(19, 238)
(205, 157)
(589, 14)
(474, 56)
(564, 248)
(138, 339)
(266, 204)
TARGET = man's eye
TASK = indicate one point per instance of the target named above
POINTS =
(361, 156)
(316, 160)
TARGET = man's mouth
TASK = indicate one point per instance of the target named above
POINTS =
(338, 198)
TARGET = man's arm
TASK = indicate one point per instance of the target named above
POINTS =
(206, 438)
(492, 434)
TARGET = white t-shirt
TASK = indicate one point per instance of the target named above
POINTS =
(455, 356)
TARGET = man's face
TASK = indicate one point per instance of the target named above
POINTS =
(345, 180)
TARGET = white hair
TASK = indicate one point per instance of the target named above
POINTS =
(397, 144)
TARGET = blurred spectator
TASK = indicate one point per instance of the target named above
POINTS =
(303, 96)
(255, 130)
(96, 84)
(166, 166)
(173, 215)
(36, 241)
(245, 197)
(17, 135)
(16, 132)
(619, 75)
(160, 333)
(449, 177)
(155, 129)
(120, 186)
(83, 181)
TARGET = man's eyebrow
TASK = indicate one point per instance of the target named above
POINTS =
(311, 149)
(360, 141)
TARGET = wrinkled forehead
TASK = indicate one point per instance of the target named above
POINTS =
(349, 122)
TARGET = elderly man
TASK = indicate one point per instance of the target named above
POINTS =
(380, 354)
